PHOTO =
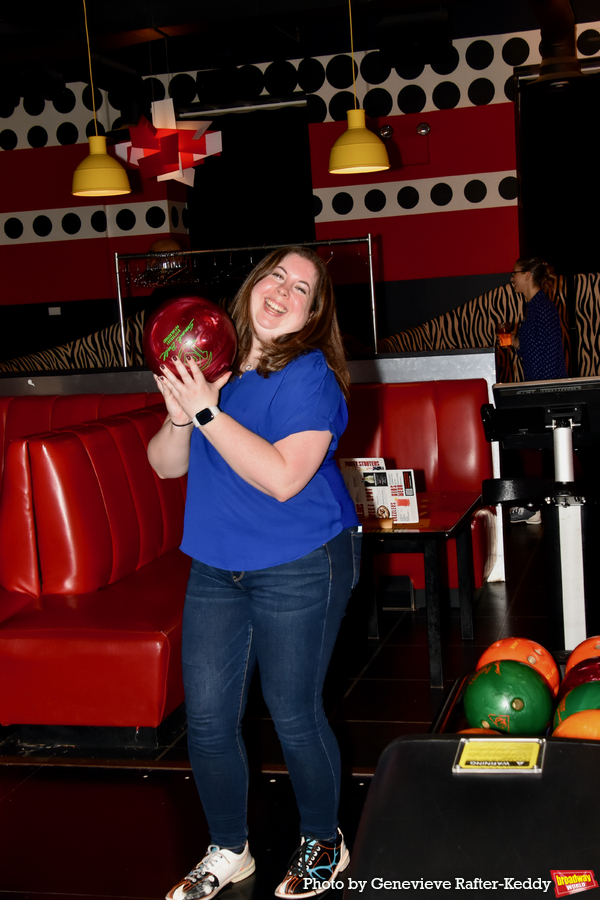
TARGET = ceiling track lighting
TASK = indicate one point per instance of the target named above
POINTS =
(98, 175)
(357, 150)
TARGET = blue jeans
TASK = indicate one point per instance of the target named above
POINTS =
(285, 619)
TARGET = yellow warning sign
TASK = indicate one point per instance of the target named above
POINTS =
(499, 755)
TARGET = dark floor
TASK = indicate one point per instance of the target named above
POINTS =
(114, 823)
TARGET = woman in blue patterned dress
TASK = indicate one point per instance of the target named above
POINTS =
(539, 341)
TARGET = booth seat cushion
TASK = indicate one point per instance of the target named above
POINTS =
(21, 416)
(81, 508)
(435, 428)
(93, 582)
(107, 657)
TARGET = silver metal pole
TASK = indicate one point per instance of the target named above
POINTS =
(121, 316)
(372, 289)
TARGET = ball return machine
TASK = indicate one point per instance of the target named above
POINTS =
(564, 416)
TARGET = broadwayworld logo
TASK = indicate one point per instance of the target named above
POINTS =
(572, 881)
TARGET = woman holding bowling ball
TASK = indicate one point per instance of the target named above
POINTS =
(272, 533)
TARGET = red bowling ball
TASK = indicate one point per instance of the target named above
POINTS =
(190, 326)
(585, 650)
(580, 673)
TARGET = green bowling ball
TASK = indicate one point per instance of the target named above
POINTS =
(584, 696)
(508, 696)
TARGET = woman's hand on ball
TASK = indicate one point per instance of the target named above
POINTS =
(189, 388)
(176, 413)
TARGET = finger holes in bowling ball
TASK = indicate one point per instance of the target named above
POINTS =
(190, 326)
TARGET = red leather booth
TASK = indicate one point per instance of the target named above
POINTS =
(435, 428)
(91, 578)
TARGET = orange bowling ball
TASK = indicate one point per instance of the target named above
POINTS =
(525, 651)
(585, 650)
(488, 732)
(584, 724)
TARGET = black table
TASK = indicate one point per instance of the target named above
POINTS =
(442, 515)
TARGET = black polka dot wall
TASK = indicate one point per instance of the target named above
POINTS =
(316, 108)
(281, 78)
(474, 72)
(378, 102)
(425, 196)
(182, 88)
(374, 68)
(509, 188)
(441, 194)
(156, 217)
(515, 51)
(251, 83)
(13, 228)
(475, 191)
(8, 139)
(375, 200)
(339, 72)
(481, 91)
(412, 99)
(98, 221)
(408, 197)
(479, 55)
(342, 203)
(66, 119)
(69, 224)
(339, 104)
(588, 42)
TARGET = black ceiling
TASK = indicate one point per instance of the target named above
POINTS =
(144, 37)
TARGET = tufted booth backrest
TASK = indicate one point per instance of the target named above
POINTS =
(433, 427)
(22, 416)
(81, 508)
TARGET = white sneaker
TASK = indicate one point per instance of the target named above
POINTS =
(218, 868)
(525, 514)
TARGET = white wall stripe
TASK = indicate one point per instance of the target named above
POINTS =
(424, 188)
(44, 219)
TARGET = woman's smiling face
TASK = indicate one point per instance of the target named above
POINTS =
(281, 302)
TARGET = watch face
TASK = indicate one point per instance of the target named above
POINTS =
(204, 416)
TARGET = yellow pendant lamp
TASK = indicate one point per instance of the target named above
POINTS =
(357, 150)
(98, 175)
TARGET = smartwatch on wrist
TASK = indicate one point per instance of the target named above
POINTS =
(206, 415)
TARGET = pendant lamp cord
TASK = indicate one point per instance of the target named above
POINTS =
(351, 51)
(87, 37)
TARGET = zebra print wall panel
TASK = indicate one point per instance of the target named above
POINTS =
(101, 350)
(474, 325)
(469, 326)
(587, 295)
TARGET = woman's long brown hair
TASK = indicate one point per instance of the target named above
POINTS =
(542, 274)
(321, 332)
